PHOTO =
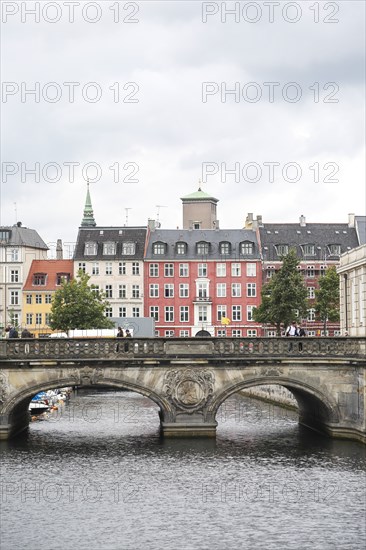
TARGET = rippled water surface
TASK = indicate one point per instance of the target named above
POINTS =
(97, 475)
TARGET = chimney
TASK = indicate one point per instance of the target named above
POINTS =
(151, 224)
(248, 221)
(59, 252)
(351, 220)
(216, 224)
(259, 220)
(302, 221)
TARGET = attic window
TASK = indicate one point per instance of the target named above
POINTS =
(109, 248)
(39, 279)
(62, 277)
(334, 249)
(120, 232)
(309, 250)
(246, 247)
(158, 248)
(90, 248)
(128, 249)
(282, 249)
(101, 232)
(202, 247)
(5, 236)
(225, 248)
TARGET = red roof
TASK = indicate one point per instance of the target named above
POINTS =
(51, 268)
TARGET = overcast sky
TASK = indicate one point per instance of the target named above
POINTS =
(163, 119)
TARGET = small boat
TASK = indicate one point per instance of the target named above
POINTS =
(39, 404)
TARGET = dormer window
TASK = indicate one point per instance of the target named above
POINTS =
(309, 250)
(158, 248)
(334, 249)
(62, 278)
(196, 225)
(202, 248)
(128, 249)
(109, 248)
(246, 248)
(282, 249)
(90, 248)
(39, 279)
(225, 248)
(181, 248)
(5, 236)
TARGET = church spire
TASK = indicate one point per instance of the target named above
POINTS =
(88, 219)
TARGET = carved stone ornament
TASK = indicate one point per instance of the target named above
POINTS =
(272, 371)
(189, 389)
(89, 376)
(4, 386)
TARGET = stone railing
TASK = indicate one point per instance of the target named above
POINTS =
(158, 348)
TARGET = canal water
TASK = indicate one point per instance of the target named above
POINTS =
(96, 475)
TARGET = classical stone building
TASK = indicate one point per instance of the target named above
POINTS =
(19, 246)
(352, 271)
(113, 258)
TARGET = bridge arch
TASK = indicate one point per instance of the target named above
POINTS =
(316, 408)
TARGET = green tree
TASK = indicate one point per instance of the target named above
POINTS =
(327, 297)
(76, 305)
(284, 297)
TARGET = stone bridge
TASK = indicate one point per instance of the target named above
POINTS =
(190, 378)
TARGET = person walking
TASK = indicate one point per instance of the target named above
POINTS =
(13, 333)
(120, 333)
(291, 329)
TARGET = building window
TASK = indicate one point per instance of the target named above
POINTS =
(282, 249)
(122, 311)
(221, 312)
(14, 255)
(122, 268)
(135, 268)
(169, 291)
(154, 291)
(202, 270)
(39, 279)
(235, 270)
(154, 312)
(271, 270)
(221, 290)
(47, 318)
(108, 312)
(184, 333)
(29, 318)
(158, 249)
(135, 291)
(251, 290)
(183, 270)
(108, 291)
(95, 268)
(236, 290)
(246, 248)
(322, 270)
(202, 248)
(128, 249)
(251, 270)
(236, 333)
(154, 270)
(14, 276)
(108, 268)
(334, 249)
(38, 318)
(90, 249)
(311, 314)
(183, 290)
(221, 333)
(38, 298)
(250, 313)
(82, 267)
(202, 314)
(135, 312)
(122, 291)
(169, 334)
(221, 270)
(202, 290)
(95, 289)
(62, 278)
(310, 271)
(168, 270)
(252, 333)
(48, 299)
(181, 248)
(169, 314)
(109, 248)
(184, 314)
(29, 299)
(311, 292)
(236, 313)
(14, 297)
(309, 250)
(225, 248)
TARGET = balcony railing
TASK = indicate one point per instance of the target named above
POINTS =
(204, 299)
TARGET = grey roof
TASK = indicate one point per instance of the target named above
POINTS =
(117, 235)
(191, 237)
(360, 222)
(22, 236)
(321, 235)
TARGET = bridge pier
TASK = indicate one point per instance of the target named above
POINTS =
(188, 429)
(13, 424)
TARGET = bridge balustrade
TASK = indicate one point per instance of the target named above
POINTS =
(107, 348)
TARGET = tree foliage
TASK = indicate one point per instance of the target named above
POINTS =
(327, 297)
(284, 297)
(76, 305)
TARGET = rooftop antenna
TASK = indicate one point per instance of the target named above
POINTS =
(126, 210)
(16, 212)
(158, 206)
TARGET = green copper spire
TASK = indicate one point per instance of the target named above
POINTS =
(88, 219)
